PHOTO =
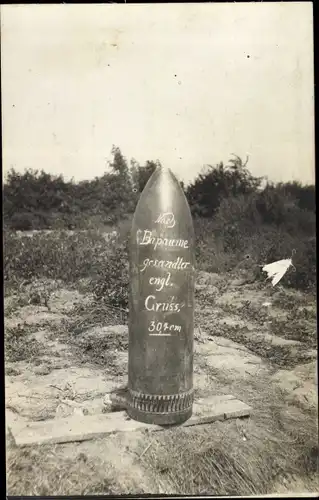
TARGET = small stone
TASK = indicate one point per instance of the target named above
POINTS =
(78, 411)
(107, 403)
(42, 370)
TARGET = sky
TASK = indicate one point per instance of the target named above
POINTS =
(189, 84)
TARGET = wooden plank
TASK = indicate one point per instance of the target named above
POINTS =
(213, 409)
(78, 428)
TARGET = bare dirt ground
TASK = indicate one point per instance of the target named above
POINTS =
(250, 341)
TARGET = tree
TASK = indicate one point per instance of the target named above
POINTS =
(305, 195)
(214, 184)
(144, 173)
(32, 197)
(134, 166)
(118, 198)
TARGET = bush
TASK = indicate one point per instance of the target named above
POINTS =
(70, 258)
(234, 218)
(57, 255)
(22, 221)
(214, 184)
(209, 249)
(305, 262)
(112, 284)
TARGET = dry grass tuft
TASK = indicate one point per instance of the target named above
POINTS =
(239, 457)
(19, 346)
(43, 472)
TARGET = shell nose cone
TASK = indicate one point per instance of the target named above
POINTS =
(164, 169)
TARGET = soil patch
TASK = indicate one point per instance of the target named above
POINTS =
(78, 364)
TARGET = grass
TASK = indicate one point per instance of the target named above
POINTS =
(295, 328)
(20, 347)
(76, 331)
(58, 255)
(46, 473)
(297, 320)
(240, 457)
(98, 313)
(280, 356)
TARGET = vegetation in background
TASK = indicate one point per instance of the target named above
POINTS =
(233, 217)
